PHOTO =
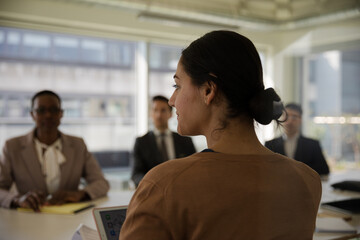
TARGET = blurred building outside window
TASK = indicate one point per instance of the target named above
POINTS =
(331, 102)
(96, 79)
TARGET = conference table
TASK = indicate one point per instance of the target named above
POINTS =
(330, 194)
(15, 225)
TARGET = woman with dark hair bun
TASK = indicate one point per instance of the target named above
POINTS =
(236, 188)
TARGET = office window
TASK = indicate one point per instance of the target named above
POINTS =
(331, 102)
(72, 107)
(15, 109)
(163, 57)
(2, 106)
(163, 61)
(2, 41)
(93, 51)
(120, 54)
(95, 78)
(12, 45)
(66, 49)
(56, 48)
(36, 45)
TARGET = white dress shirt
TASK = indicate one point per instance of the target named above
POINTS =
(169, 142)
(50, 158)
(290, 145)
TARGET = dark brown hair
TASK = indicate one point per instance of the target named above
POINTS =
(232, 62)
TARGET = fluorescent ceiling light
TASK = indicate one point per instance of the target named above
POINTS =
(182, 21)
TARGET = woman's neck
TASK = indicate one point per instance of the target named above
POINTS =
(47, 137)
(238, 137)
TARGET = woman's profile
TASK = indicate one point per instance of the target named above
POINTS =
(236, 188)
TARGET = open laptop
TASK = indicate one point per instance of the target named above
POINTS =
(109, 221)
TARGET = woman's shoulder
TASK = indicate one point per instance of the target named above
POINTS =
(295, 167)
(166, 172)
(273, 164)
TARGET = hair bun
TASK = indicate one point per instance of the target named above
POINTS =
(266, 106)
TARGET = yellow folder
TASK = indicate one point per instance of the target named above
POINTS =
(67, 208)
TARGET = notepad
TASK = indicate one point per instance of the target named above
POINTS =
(67, 208)
(333, 225)
(84, 232)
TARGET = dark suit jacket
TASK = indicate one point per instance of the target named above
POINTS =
(147, 154)
(307, 151)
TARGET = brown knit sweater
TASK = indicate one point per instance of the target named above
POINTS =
(221, 196)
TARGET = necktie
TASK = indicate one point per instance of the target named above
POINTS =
(163, 147)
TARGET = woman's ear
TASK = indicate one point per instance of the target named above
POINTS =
(209, 92)
(32, 115)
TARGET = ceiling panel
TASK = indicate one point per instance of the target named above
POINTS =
(254, 9)
(257, 14)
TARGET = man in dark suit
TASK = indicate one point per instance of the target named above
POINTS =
(159, 145)
(296, 146)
